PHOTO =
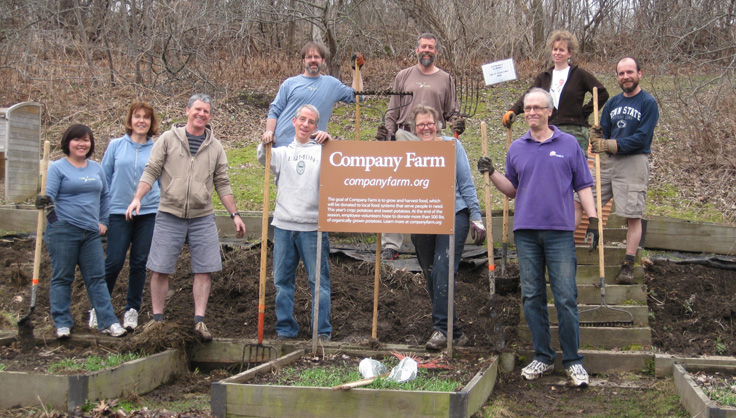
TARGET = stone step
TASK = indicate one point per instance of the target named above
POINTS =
(589, 274)
(596, 313)
(605, 338)
(635, 294)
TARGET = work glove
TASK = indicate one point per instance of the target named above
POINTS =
(508, 119)
(591, 234)
(477, 232)
(382, 133)
(600, 145)
(357, 58)
(485, 165)
(457, 124)
(43, 201)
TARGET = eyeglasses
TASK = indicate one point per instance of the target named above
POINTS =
(312, 57)
(428, 125)
(528, 109)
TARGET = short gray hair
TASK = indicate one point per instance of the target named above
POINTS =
(308, 107)
(427, 35)
(421, 109)
(547, 95)
(204, 98)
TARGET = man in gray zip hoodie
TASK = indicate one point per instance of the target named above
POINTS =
(295, 218)
(190, 163)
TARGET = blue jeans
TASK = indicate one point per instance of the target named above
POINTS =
(68, 247)
(288, 248)
(136, 235)
(554, 250)
(433, 255)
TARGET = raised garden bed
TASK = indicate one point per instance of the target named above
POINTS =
(692, 396)
(237, 396)
(66, 392)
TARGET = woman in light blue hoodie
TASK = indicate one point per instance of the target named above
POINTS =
(123, 163)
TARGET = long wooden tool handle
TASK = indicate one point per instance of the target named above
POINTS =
(598, 203)
(505, 236)
(376, 284)
(264, 244)
(40, 222)
(358, 383)
(489, 213)
(357, 105)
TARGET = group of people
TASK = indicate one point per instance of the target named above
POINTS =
(149, 197)
(152, 197)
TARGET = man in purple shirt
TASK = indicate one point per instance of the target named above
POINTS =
(543, 170)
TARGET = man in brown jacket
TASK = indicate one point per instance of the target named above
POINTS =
(190, 163)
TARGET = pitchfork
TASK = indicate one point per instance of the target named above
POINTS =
(468, 97)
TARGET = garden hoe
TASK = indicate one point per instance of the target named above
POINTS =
(25, 325)
(259, 353)
(601, 263)
(500, 341)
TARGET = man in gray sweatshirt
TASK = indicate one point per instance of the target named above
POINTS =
(296, 173)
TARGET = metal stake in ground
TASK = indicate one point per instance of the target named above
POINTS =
(25, 325)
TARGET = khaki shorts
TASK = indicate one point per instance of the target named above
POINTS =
(625, 178)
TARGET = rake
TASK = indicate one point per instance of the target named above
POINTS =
(601, 263)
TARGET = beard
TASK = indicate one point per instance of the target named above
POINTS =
(426, 62)
(312, 71)
(634, 85)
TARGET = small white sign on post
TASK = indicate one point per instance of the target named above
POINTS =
(499, 71)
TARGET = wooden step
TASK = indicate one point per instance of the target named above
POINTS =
(598, 314)
(615, 294)
(589, 274)
(613, 256)
(606, 338)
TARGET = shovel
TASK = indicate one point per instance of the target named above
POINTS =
(500, 341)
(25, 325)
(601, 264)
(257, 352)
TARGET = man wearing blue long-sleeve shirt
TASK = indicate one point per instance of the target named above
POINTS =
(628, 120)
(311, 87)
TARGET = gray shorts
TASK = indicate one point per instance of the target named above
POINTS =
(626, 179)
(581, 134)
(169, 235)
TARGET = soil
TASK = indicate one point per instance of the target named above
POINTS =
(718, 386)
(692, 312)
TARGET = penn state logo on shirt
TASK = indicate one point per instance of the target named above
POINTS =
(621, 124)
(555, 154)
(300, 167)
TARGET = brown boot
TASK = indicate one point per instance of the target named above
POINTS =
(626, 274)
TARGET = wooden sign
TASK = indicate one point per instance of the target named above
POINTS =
(401, 187)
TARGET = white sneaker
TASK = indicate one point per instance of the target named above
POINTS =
(130, 319)
(536, 369)
(63, 333)
(115, 330)
(92, 318)
(578, 375)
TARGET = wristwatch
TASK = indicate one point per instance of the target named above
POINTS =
(232, 215)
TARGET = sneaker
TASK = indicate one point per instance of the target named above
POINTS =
(63, 333)
(626, 274)
(130, 319)
(461, 341)
(577, 375)
(437, 341)
(115, 330)
(202, 332)
(325, 337)
(389, 254)
(536, 369)
(92, 318)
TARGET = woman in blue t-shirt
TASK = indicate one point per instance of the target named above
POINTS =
(77, 194)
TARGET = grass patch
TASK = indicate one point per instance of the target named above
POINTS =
(336, 375)
(92, 363)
